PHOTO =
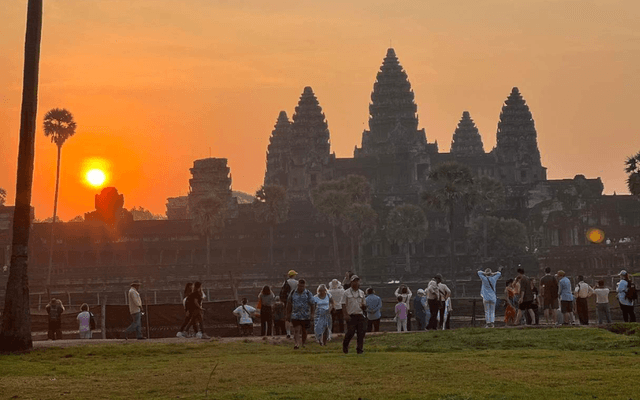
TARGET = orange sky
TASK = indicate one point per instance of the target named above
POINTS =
(153, 84)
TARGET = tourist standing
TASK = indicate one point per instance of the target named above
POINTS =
(510, 304)
(54, 310)
(266, 299)
(300, 307)
(353, 306)
(401, 314)
(582, 292)
(626, 304)
(245, 322)
(346, 282)
(336, 291)
(188, 289)
(289, 286)
(419, 310)
(404, 292)
(322, 318)
(135, 309)
(549, 293)
(279, 317)
(445, 294)
(602, 303)
(433, 300)
(195, 310)
(525, 302)
(488, 293)
(374, 305)
(566, 298)
(84, 322)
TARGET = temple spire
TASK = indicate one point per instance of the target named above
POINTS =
(392, 99)
(517, 142)
(309, 129)
(467, 141)
(278, 150)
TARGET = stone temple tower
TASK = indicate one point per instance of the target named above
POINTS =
(516, 152)
(393, 123)
(211, 176)
(467, 141)
(278, 152)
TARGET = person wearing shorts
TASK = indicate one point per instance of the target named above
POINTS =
(526, 297)
(300, 307)
(566, 298)
(549, 293)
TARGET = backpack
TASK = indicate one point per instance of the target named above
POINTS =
(632, 292)
(284, 292)
(92, 322)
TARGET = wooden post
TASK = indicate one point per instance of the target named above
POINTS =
(473, 313)
(103, 319)
(146, 310)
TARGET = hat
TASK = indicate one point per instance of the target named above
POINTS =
(354, 277)
(292, 273)
(623, 272)
(487, 271)
(135, 283)
(561, 272)
(420, 291)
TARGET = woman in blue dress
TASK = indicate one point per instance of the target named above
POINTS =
(322, 319)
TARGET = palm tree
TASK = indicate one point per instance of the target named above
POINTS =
(359, 223)
(208, 217)
(60, 126)
(272, 207)
(15, 335)
(406, 225)
(632, 167)
(451, 189)
(490, 195)
(332, 198)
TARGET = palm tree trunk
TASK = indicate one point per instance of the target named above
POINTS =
(271, 246)
(53, 223)
(15, 335)
(408, 257)
(208, 256)
(353, 255)
(451, 241)
(360, 256)
(336, 256)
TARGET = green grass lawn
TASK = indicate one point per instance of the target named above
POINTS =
(562, 363)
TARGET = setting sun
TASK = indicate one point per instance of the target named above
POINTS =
(95, 177)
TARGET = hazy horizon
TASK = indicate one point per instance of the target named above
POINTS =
(166, 81)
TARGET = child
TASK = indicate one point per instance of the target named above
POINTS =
(602, 303)
(278, 317)
(401, 315)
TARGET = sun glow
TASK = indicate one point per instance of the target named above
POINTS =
(95, 177)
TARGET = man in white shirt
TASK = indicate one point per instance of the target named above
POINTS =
(582, 291)
(445, 294)
(353, 306)
(135, 309)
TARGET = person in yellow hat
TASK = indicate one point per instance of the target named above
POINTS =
(289, 286)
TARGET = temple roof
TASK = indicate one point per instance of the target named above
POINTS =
(516, 138)
(392, 99)
(466, 141)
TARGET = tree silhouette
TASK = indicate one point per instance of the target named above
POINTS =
(359, 222)
(490, 195)
(208, 217)
(59, 126)
(632, 167)
(332, 198)
(271, 206)
(15, 335)
(451, 188)
(506, 238)
(406, 225)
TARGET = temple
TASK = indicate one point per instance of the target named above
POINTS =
(395, 157)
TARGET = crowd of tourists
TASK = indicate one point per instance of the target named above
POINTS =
(554, 297)
(338, 305)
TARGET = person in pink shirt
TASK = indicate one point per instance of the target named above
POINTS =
(401, 315)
